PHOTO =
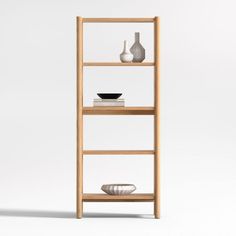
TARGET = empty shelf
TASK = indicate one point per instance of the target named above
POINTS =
(118, 20)
(118, 152)
(140, 197)
(118, 110)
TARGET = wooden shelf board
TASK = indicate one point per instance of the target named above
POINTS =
(118, 64)
(140, 197)
(118, 20)
(118, 110)
(118, 152)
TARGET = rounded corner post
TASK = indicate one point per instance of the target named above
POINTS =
(79, 108)
(157, 119)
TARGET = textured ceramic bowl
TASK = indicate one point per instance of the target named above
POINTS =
(109, 95)
(118, 189)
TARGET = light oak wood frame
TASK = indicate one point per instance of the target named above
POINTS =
(79, 188)
(155, 111)
(156, 120)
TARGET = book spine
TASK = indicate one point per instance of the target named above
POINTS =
(112, 104)
(108, 100)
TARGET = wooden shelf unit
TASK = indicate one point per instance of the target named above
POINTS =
(81, 111)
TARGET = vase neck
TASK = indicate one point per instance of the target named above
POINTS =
(125, 46)
(137, 36)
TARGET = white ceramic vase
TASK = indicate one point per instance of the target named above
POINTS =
(126, 55)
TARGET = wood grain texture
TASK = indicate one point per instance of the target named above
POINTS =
(118, 20)
(79, 180)
(118, 152)
(146, 197)
(156, 120)
(118, 110)
(118, 64)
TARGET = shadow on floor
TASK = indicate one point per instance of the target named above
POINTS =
(36, 213)
(65, 214)
(116, 215)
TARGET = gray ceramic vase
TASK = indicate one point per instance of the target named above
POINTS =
(137, 49)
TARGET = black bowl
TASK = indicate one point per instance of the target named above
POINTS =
(109, 95)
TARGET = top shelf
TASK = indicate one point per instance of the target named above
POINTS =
(118, 20)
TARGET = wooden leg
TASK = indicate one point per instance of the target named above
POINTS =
(156, 121)
(79, 180)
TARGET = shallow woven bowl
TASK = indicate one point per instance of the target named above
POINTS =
(118, 189)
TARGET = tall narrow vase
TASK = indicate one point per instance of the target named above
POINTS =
(137, 49)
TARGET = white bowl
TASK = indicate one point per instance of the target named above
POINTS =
(118, 189)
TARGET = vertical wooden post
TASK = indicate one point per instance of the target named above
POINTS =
(79, 180)
(156, 120)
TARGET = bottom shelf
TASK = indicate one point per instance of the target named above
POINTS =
(97, 197)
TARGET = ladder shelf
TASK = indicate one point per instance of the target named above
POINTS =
(139, 110)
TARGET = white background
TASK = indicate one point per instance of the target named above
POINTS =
(38, 118)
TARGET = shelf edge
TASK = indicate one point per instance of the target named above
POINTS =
(118, 152)
(118, 20)
(118, 198)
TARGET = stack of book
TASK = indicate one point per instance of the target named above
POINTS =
(98, 102)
